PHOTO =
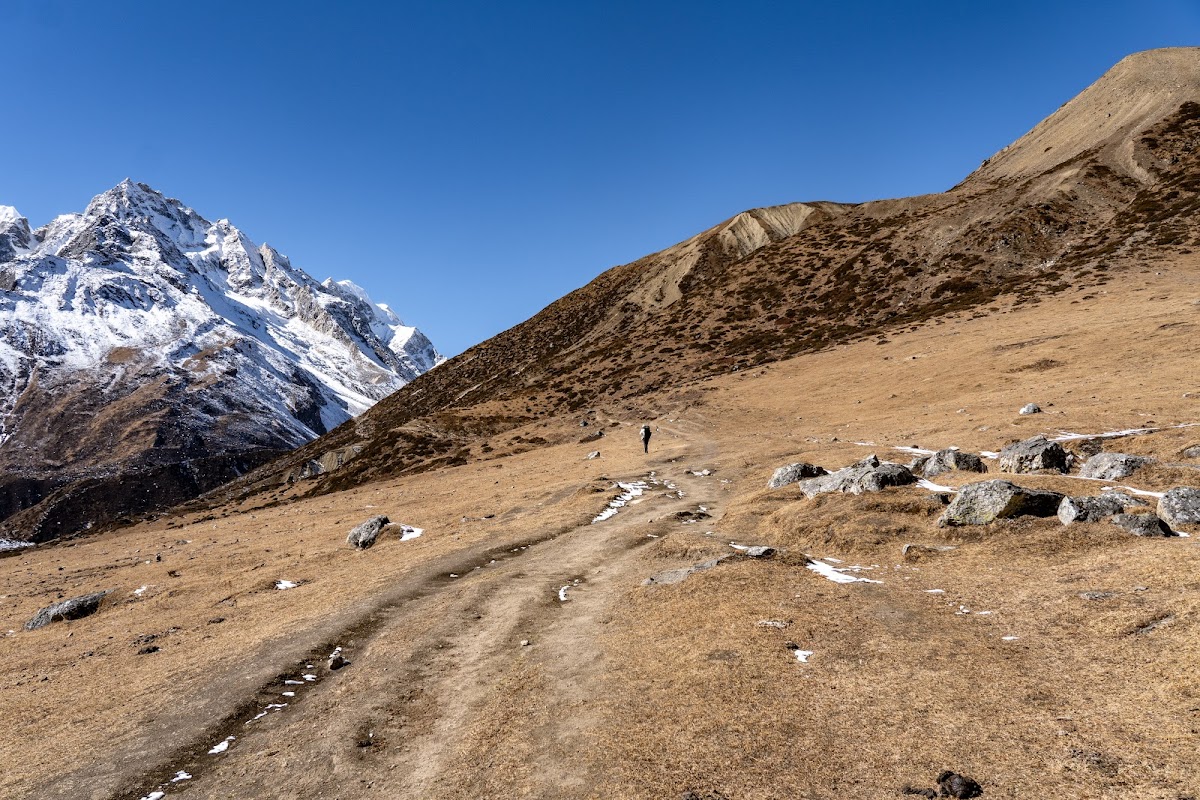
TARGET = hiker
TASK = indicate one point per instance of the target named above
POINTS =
(646, 438)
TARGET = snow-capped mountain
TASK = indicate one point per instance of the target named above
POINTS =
(140, 330)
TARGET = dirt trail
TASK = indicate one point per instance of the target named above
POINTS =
(440, 691)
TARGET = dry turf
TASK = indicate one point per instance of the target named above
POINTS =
(1054, 662)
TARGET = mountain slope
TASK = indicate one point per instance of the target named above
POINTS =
(138, 335)
(1064, 206)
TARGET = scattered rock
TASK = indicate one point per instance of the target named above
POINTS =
(74, 608)
(1144, 524)
(1180, 506)
(1112, 466)
(1030, 408)
(1191, 452)
(592, 437)
(1034, 455)
(336, 661)
(773, 623)
(1096, 595)
(692, 516)
(930, 793)
(987, 501)
(216, 620)
(364, 534)
(591, 455)
(951, 784)
(793, 473)
(145, 651)
(710, 795)
(676, 575)
(525, 643)
(756, 551)
(1093, 509)
(868, 475)
(949, 460)
(915, 552)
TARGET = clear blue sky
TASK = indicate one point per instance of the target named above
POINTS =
(470, 162)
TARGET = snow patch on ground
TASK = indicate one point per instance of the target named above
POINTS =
(282, 584)
(934, 487)
(839, 574)
(628, 492)
(12, 544)
(221, 746)
(409, 532)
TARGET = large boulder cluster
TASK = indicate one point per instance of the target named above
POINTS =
(985, 502)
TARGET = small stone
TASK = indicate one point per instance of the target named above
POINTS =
(591, 455)
(525, 643)
(148, 650)
(1096, 595)
(74, 608)
(1030, 408)
(958, 786)
(336, 662)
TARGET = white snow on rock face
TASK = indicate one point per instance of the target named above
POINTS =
(139, 284)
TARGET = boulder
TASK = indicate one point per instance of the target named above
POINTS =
(950, 460)
(1034, 455)
(1191, 452)
(987, 501)
(1030, 408)
(1093, 509)
(794, 472)
(1144, 524)
(74, 608)
(868, 475)
(1180, 507)
(364, 534)
(1112, 466)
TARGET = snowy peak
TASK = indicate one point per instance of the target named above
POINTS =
(15, 236)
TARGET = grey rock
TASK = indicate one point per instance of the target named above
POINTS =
(364, 534)
(794, 472)
(336, 662)
(1143, 524)
(593, 454)
(1030, 408)
(1093, 509)
(1180, 507)
(1191, 452)
(950, 460)
(951, 784)
(758, 551)
(1034, 455)
(1096, 595)
(74, 608)
(868, 475)
(987, 501)
(1112, 466)
(677, 575)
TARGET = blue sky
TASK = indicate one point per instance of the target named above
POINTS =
(468, 163)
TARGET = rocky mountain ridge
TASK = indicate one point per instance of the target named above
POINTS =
(138, 334)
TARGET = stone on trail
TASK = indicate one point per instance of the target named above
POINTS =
(74, 608)
(1180, 507)
(1094, 509)
(793, 473)
(987, 501)
(1145, 523)
(868, 475)
(1112, 466)
(1030, 408)
(951, 784)
(949, 460)
(1034, 455)
(364, 534)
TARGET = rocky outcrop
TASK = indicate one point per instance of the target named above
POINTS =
(364, 534)
(75, 608)
(1038, 454)
(793, 473)
(948, 460)
(988, 501)
(1142, 524)
(868, 475)
(1112, 466)
(1180, 507)
(1094, 509)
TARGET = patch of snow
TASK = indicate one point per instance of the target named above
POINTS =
(155, 795)
(562, 593)
(1009, 638)
(138, 592)
(308, 676)
(929, 485)
(989, 454)
(282, 584)
(1132, 490)
(803, 655)
(409, 532)
(917, 451)
(181, 776)
(628, 492)
(290, 682)
(222, 746)
(11, 544)
(838, 575)
(289, 694)
(935, 591)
